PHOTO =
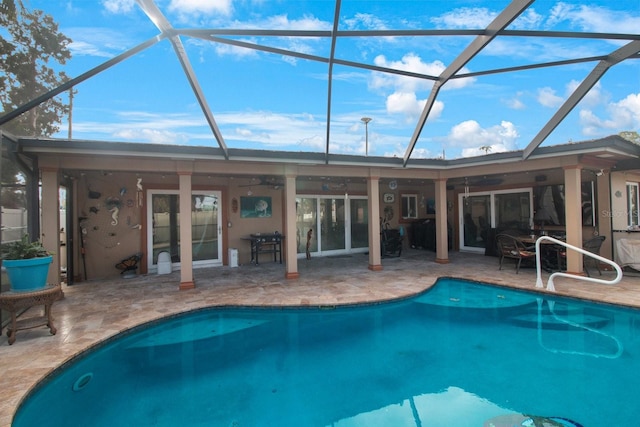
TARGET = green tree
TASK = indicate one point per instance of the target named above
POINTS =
(631, 136)
(30, 43)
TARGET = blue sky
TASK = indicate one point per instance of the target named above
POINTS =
(270, 101)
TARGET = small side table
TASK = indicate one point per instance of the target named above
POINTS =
(16, 301)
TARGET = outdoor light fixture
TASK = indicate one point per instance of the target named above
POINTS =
(366, 121)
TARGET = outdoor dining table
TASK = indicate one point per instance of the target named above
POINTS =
(550, 252)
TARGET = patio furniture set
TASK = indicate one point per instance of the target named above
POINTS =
(553, 257)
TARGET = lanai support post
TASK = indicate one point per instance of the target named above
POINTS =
(186, 248)
(442, 231)
(373, 192)
(50, 237)
(290, 242)
(573, 216)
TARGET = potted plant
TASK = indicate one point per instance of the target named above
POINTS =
(27, 264)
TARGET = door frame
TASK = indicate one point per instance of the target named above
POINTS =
(348, 249)
(492, 210)
(214, 262)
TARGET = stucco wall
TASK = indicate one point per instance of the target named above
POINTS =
(108, 211)
(619, 212)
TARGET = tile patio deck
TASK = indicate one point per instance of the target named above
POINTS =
(95, 310)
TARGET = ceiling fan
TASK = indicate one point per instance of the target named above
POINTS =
(272, 182)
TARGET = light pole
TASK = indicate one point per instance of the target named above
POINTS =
(366, 121)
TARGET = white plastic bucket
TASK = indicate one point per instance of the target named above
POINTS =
(164, 263)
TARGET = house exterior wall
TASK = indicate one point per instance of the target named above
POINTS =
(107, 239)
(108, 177)
(618, 213)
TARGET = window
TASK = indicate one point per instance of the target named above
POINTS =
(409, 207)
(633, 217)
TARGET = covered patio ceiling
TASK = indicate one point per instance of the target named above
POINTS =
(503, 29)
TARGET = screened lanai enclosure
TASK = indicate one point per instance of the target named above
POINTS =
(336, 114)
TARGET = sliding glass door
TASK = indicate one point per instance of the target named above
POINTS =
(482, 214)
(337, 224)
(475, 220)
(163, 214)
(359, 223)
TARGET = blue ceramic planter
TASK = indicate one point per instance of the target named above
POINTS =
(26, 275)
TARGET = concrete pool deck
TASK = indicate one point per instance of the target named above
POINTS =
(94, 310)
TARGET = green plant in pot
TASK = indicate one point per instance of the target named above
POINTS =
(27, 264)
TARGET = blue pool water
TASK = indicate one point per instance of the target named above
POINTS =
(461, 354)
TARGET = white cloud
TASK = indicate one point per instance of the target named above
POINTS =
(418, 153)
(198, 7)
(403, 98)
(471, 136)
(594, 97)
(530, 19)
(407, 104)
(118, 6)
(548, 98)
(515, 104)
(96, 41)
(146, 127)
(364, 21)
(282, 22)
(465, 17)
(413, 63)
(594, 18)
(277, 22)
(153, 136)
(410, 62)
(627, 111)
(623, 115)
(80, 48)
(235, 51)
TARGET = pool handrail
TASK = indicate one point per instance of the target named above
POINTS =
(551, 287)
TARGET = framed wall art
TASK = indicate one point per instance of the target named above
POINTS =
(255, 207)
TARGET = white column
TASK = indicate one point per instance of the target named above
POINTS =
(442, 234)
(291, 250)
(573, 216)
(50, 221)
(373, 192)
(186, 248)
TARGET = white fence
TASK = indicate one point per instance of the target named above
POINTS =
(14, 224)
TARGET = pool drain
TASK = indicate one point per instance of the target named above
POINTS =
(82, 382)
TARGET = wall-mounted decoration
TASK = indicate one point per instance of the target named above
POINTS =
(139, 191)
(431, 206)
(393, 184)
(389, 197)
(234, 205)
(388, 213)
(255, 207)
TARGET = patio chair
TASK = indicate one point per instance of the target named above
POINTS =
(510, 247)
(592, 245)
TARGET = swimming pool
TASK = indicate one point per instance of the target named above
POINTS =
(461, 354)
